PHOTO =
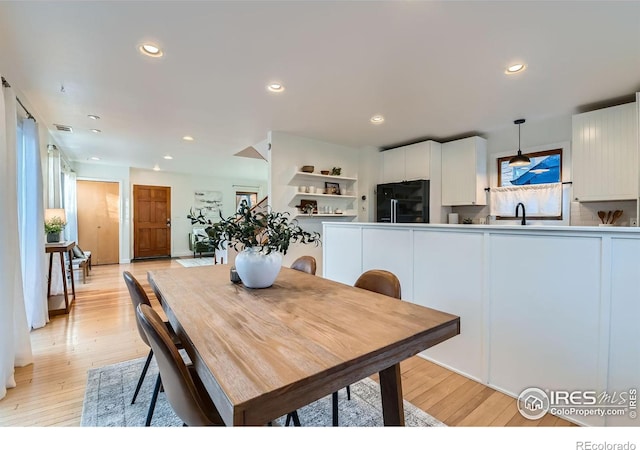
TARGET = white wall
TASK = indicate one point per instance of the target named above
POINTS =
(183, 187)
(182, 190)
(289, 153)
(368, 173)
(532, 134)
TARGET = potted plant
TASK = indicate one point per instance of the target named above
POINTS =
(261, 238)
(53, 227)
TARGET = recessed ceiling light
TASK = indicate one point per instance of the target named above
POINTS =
(515, 69)
(93, 116)
(151, 50)
(187, 138)
(156, 167)
(95, 130)
(275, 87)
(94, 158)
(168, 157)
(377, 119)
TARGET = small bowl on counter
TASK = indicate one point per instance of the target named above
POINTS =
(307, 169)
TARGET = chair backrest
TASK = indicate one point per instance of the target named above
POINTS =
(380, 281)
(78, 253)
(182, 386)
(305, 264)
(138, 297)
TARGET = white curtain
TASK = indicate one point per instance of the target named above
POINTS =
(31, 219)
(70, 205)
(54, 177)
(540, 200)
(15, 346)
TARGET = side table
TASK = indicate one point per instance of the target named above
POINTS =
(61, 248)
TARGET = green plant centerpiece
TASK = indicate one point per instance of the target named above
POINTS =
(53, 227)
(260, 237)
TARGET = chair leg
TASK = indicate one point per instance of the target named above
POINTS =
(142, 375)
(334, 401)
(154, 397)
(348, 393)
(292, 416)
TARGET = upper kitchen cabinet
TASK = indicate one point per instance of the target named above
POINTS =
(464, 172)
(410, 162)
(605, 154)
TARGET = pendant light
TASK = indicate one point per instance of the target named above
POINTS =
(519, 160)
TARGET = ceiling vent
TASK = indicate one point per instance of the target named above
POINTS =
(65, 128)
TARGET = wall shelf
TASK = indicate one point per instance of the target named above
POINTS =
(308, 194)
(319, 177)
(317, 183)
(323, 215)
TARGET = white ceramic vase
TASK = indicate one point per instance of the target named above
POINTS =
(257, 269)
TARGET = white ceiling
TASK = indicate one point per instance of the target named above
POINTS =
(433, 69)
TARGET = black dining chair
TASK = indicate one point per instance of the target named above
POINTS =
(376, 280)
(184, 390)
(139, 297)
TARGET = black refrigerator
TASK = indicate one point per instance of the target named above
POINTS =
(405, 202)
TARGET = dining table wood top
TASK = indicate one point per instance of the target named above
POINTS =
(262, 353)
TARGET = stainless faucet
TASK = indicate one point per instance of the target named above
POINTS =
(524, 215)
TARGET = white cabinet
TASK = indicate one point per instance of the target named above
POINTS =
(624, 353)
(464, 172)
(460, 255)
(605, 154)
(389, 249)
(344, 241)
(410, 162)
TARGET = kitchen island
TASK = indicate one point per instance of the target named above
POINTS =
(540, 306)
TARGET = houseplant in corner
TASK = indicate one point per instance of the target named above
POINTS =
(53, 226)
(261, 238)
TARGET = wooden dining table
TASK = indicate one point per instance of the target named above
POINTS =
(262, 353)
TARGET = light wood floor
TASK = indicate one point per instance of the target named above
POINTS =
(101, 330)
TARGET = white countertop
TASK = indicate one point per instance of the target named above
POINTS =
(497, 228)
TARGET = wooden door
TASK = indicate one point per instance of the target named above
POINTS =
(99, 220)
(151, 221)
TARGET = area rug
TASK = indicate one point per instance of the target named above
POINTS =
(195, 262)
(110, 389)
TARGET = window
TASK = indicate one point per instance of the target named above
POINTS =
(250, 197)
(545, 167)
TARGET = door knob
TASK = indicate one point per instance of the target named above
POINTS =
(169, 223)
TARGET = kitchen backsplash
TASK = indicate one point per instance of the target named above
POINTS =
(478, 214)
(582, 214)
(586, 214)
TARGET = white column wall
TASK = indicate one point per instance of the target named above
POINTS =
(546, 307)
(287, 155)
